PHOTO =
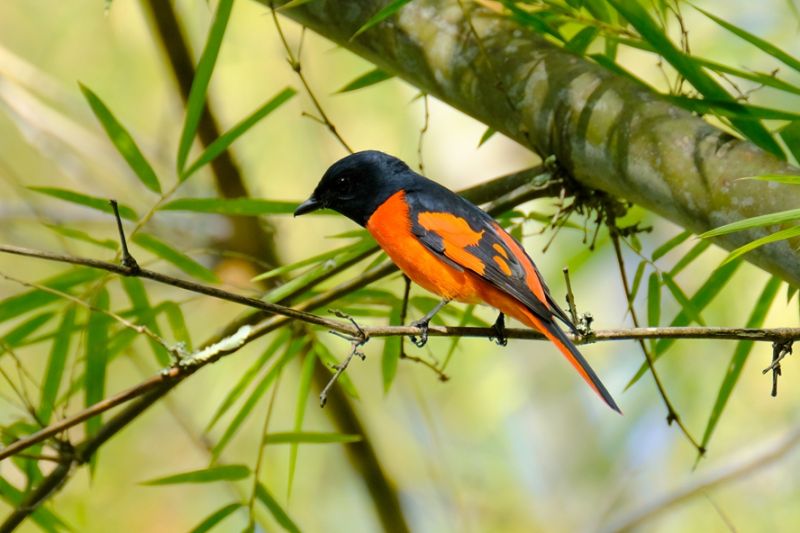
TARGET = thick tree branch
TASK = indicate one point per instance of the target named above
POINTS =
(609, 132)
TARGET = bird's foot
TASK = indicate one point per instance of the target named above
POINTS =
(499, 328)
(423, 324)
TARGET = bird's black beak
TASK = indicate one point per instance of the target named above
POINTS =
(312, 204)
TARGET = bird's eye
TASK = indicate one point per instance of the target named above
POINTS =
(345, 186)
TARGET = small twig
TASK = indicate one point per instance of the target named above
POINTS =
(127, 259)
(780, 349)
(573, 311)
(416, 359)
(422, 132)
(356, 341)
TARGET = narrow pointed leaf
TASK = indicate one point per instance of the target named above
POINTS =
(277, 512)
(232, 206)
(303, 393)
(206, 475)
(670, 245)
(108, 244)
(310, 437)
(696, 251)
(777, 178)
(637, 279)
(226, 139)
(391, 350)
(123, 141)
(788, 233)
(96, 357)
(686, 305)
(205, 67)
(85, 200)
(385, 12)
(20, 333)
(365, 80)
(739, 357)
(171, 255)
(56, 363)
(791, 136)
(486, 136)
(653, 300)
(286, 269)
(581, 40)
(216, 517)
(177, 323)
(769, 219)
(16, 306)
(146, 316)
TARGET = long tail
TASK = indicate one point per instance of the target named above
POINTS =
(550, 330)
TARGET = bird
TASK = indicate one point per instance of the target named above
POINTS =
(447, 245)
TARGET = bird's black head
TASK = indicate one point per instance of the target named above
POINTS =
(356, 185)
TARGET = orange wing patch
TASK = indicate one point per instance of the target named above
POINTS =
(531, 277)
(456, 235)
(500, 250)
(502, 264)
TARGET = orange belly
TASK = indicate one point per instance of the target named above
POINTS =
(390, 225)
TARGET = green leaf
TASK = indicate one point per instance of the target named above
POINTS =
(791, 136)
(683, 300)
(123, 141)
(247, 377)
(781, 235)
(232, 206)
(216, 517)
(87, 201)
(777, 178)
(108, 244)
(637, 280)
(731, 109)
(205, 67)
(177, 323)
(641, 20)
(372, 77)
(16, 306)
(757, 77)
(739, 357)
(206, 475)
(704, 295)
(226, 139)
(292, 3)
(146, 316)
(171, 255)
(385, 12)
(581, 40)
(42, 516)
(391, 350)
(671, 244)
(285, 269)
(754, 222)
(690, 256)
(303, 392)
(96, 357)
(760, 43)
(291, 351)
(653, 300)
(277, 512)
(17, 336)
(486, 136)
(310, 437)
(56, 363)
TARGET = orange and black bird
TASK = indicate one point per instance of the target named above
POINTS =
(446, 244)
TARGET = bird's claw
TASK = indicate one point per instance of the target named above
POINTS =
(499, 328)
(423, 338)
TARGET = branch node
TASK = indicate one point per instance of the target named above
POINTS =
(356, 341)
(128, 261)
(780, 349)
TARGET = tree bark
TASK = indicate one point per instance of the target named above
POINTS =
(608, 131)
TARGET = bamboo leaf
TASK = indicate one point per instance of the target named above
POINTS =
(704, 295)
(486, 136)
(286, 269)
(206, 475)
(96, 357)
(653, 300)
(769, 219)
(781, 235)
(146, 316)
(367, 79)
(739, 357)
(303, 392)
(108, 244)
(385, 12)
(277, 512)
(391, 350)
(731, 109)
(641, 20)
(683, 300)
(310, 437)
(690, 256)
(232, 206)
(777, 178)
(177, 323)
(670, 245)
(216, 517)
(56, 363)
(292, 3)
(205, 67)
(580, 42)
(123, 141)
(758, 42)
(226, 139)
(16, 306)
(637, 280)
(247, 377)
(93, 202)
(42, 516)
(17, 336)
(791, 136)
(262, 387)
(171, 255)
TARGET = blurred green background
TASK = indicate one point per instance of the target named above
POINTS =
(514, 441)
